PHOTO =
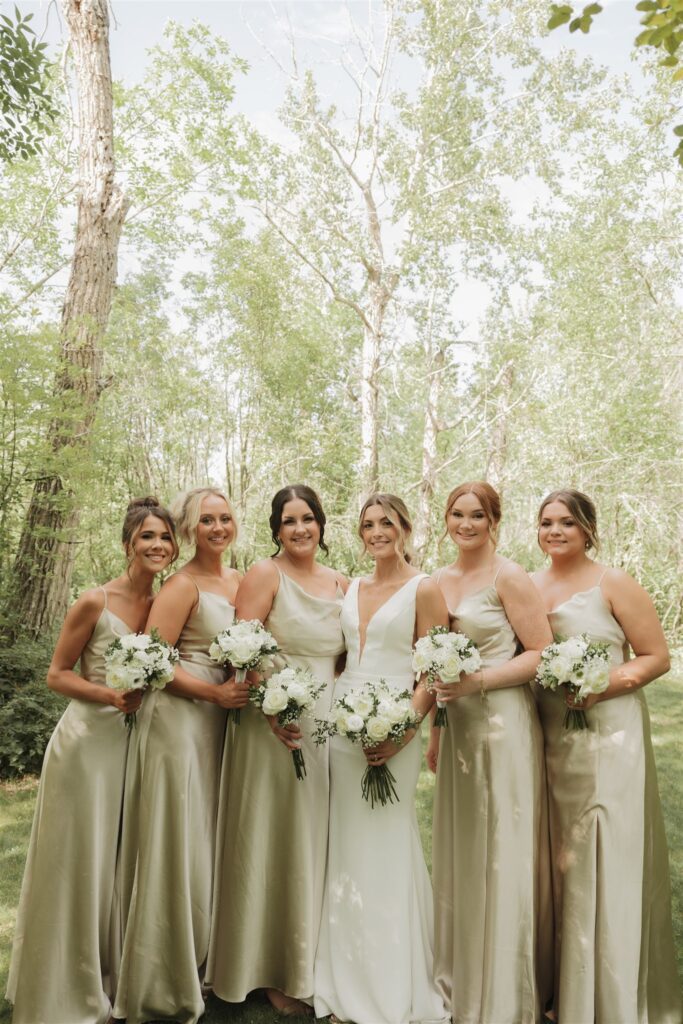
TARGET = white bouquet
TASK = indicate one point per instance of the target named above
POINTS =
(138, 660)
(288, 695)
(579, 663)
(245, 644)
(444, 655)
(369, 715)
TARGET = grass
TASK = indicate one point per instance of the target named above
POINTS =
(666, 709)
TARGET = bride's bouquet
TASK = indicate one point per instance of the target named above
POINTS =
(244, 645)
(288, 695)
(369, 715)
(138, 660)
(581, 664)
(444, 655)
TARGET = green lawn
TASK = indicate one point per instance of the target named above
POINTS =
(666, 707)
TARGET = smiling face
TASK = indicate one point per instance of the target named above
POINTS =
(467, 523)
(382, 539)
(559, 534)
(299, 532)
(216, 527)
(152, 548)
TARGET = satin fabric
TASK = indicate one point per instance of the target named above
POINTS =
(490, 849)
(614, 951)
(375, 956)
(273, 827)
(174, 830)
(67, 944)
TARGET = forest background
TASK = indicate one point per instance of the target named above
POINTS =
(366, 244)
(396, 244)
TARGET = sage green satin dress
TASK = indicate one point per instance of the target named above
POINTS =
(614, 951)
(493, 937)
(272, 829)
(66, 943)
(180, 749)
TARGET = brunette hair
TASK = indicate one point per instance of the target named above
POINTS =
(487, 496)
(290, 493)
(395, 510)
(136, 513)
(581, 508)
(187, 509)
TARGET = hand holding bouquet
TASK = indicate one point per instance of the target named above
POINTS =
(287, 695)
(444, 655)
(581, 664)
(138, 660)
(244, 645)
(369, 715)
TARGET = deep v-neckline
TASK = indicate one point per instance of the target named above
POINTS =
(362, 645)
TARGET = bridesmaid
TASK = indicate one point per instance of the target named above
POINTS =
(273, 827)
(614, 949)
(179, 756)
(374, 960)
(66, 945)
(491, 891)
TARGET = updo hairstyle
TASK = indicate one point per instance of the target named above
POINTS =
(395, 510)
(290, 493)
(581, 508)
(136, 513)
(187, 510)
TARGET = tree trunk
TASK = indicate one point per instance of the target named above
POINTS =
(435, 363)
(47, 548)
(498, 448)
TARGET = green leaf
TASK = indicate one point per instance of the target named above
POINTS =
(678, 130)
(644, 37)
(592, 9)
(669, 62)
(575, 25)
(646, 5)
(678, 76)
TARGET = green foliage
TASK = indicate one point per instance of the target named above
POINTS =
(664, 31)
(27, 107)
(29, 710)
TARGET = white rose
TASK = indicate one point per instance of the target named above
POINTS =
(298, 693)
(450, 667)
(341, 721)
(595, 678)
(117, 678)
(136, 641)
(361, 703)
(243, 650)
(275, 700)
(216, 652)
(573, 648)
(354, 723)
(561, 667)
(378, 729)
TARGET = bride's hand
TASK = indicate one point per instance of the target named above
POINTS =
(290, 735)
(375, 756)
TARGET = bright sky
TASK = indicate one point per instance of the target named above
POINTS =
(253, 28)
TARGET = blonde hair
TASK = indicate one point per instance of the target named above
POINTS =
(488, 498)
(395, 510)
(187, 511)
(581, 508)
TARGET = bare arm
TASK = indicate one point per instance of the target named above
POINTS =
(78, 627)
(172, 607)
(635, 612)
(526, 614)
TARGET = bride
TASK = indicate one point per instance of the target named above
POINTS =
(374, 963)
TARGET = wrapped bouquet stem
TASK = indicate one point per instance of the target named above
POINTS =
(444, 655)
(288, 695)
(137, 661)
(369, 715)
(244, 645)
(581, 664)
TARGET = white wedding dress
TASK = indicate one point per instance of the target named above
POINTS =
(374, 963)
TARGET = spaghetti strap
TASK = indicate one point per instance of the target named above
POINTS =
(189, 575)
(599, 583)
(437, 575)
(500, 569)
(106, 606)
